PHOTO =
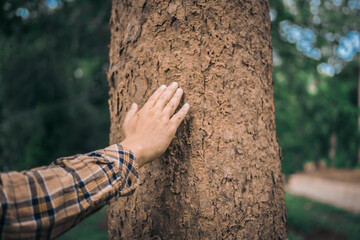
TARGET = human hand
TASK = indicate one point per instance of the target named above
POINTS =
(149, 131)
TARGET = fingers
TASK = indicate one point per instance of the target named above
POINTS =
(133, 110)
(173, 103)
(180, 115)
(166, 96)
(152, 100)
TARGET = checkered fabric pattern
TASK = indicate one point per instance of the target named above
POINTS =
(44, 202)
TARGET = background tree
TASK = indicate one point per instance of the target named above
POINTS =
(221, 177)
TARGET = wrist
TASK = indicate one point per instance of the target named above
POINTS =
(136, 149)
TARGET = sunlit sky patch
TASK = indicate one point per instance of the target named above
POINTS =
(272, 14)
(346, 50)
(315, 2)
(303, 38)
(316, 20)
(52, 4)
(337, 2)
(354, 4)
(330, 37)
(349, 45)
(314, 9)
(326, 69)
(23, 13)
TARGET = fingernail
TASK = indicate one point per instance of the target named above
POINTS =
(133, 105)
(174, 84)
(179, 90)
(186, 105)
(162, 86)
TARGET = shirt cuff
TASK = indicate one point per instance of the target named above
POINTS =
(128, 168)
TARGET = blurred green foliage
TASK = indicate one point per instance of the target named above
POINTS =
(310, 107)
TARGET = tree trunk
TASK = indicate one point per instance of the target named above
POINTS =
(221, 176)
(332, 153)
(358, 110)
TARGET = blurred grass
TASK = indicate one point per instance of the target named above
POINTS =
(94, 228)
(306, 217)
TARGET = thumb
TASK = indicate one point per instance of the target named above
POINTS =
(133, 110)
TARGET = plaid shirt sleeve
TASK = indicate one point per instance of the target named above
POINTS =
(44, 202)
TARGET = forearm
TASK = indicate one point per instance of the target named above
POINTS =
(45, 202)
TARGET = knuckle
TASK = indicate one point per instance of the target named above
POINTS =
(163, 116)
(172, 123)
(171, 127)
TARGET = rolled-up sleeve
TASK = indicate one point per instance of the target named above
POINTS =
(44, 202)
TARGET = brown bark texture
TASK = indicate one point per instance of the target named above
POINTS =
(221, 176)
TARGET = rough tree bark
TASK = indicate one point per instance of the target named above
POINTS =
(221, 177)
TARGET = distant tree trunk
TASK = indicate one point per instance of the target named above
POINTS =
(358, 110)
(221, 177)
(332, 152)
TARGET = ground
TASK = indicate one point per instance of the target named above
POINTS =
(338, 187)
